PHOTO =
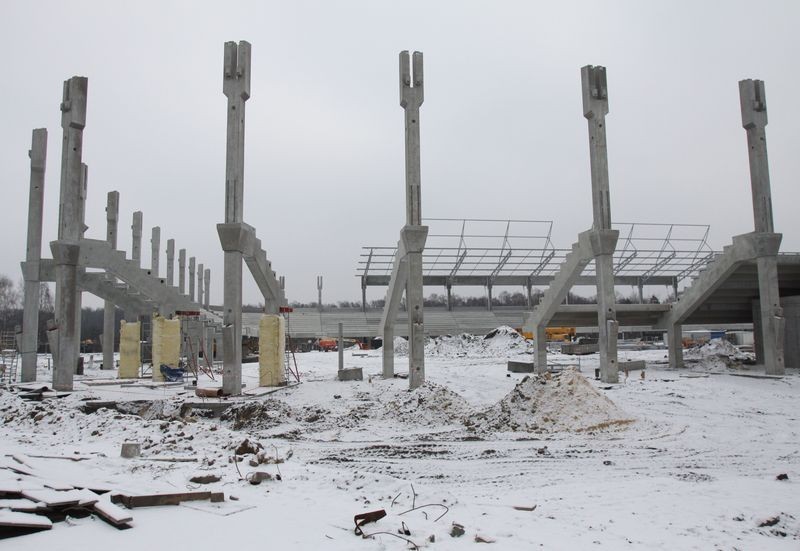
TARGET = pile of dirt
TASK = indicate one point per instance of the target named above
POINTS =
(561, 402)
(505, 339)
(258, 415)
(454, 346)
(501, 341)
(717, 354)
(428, 405)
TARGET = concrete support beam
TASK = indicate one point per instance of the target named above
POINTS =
(182, 271)
(319, 293)
(489, 297)
(412, 94)
(236, 87)
(675, 345)
(595, 107)
(65, 250)
(207, 288)
(171, 262)
(753, 102)
(191, 277)
(33, 256)
(200, 291)
(155, 250)
(136, 255)
(136, 238)
(340, 348)
(109, 310)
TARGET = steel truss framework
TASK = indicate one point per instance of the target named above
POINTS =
(489, 253)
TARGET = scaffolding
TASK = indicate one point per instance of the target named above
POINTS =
(483, 252)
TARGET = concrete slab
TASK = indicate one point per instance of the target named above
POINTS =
(520, 367)
(351, 374)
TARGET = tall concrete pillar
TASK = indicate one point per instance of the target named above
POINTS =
(33, 256)
(83, 227)
(540, 348)
(340, 347)
(112, 220)
(753, 101)
(236, 87)
(529, 295)
(319, 293)
(675, 345)
(155, 249)
(182, 271)
(412, 94)
(604, 239)
(191, 277)
(363, 294)
(66, 250)
(200, 293)
(136, 254)
(170, 262)
(489, 297)
(136, 238)
(449, 289)
(207, 288)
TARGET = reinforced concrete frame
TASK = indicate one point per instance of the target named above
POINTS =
(761, 246)
(80, 264)
(407, 270)
(238, 240)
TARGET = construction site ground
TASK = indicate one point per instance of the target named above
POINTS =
(677, 459)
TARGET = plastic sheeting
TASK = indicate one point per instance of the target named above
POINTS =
(130, 356)
(271, 347)
(166, 344)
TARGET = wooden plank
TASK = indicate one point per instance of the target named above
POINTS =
(155, 500)
(21, 505)
(109, 512)
(54, 498)
(13, 519)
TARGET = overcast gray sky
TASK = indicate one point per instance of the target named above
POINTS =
(503, 134)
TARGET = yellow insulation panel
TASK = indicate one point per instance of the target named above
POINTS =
(166, 344)
(130, 358)
(271, 346)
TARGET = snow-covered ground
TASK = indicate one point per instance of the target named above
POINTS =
(682, 459)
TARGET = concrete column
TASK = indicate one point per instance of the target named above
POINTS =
(540, 348)
(595, 108)
(182, 271)
(191, 277)
(155, 249)
(449, 289)
(640, 288)
(136, 238)
(363, 295)
(207, 288)
(753, 102)
(758, 342)
(319, 293)
(489, 297)
(109, 325)
(171, 262)
(200, 293)
(412, 94)
(340, 347)
(67, 249)
(529, 295)
(82, 230)
(136, 255)
(675, 345)
(236, 87)
(33, 256)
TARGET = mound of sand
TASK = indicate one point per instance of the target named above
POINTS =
(715, 348)
(501, 341)
(258, 415)
(428, 405)
(562, 402)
